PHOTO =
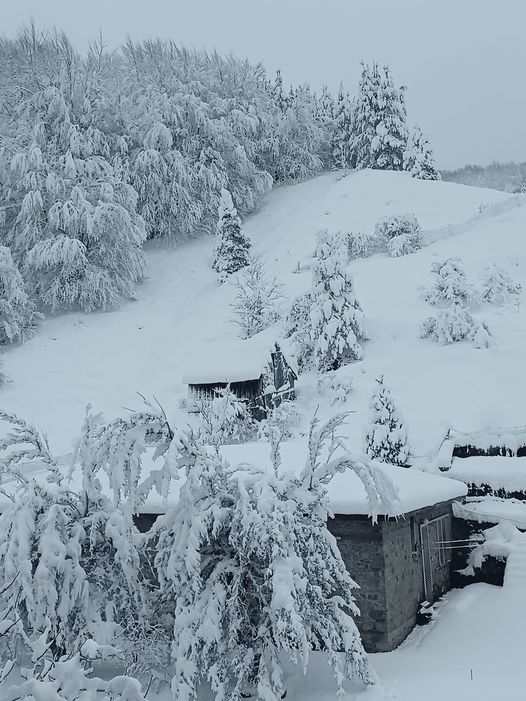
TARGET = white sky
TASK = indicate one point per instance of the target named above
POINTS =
(463, 61)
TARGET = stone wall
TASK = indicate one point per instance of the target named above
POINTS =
(361, 547)
(386, 561)
(404, 582)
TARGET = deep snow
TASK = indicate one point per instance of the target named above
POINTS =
(475, 649)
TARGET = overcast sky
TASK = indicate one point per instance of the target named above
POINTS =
(463, 61)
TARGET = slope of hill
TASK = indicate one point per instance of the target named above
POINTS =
(143, 346)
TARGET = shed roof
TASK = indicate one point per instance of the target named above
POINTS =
(234, 361)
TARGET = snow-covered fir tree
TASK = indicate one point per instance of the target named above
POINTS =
(298, 329)
(342, 131)
(399, 233)
(337, 319)
(251, 585)
(299, 140)
(481, 336)
(379, 132)
(257, 301)
(232, 247)
(450, 285)
(452, 324)
(18, 316)
(498, 287)
(386, 433)
(418, 157)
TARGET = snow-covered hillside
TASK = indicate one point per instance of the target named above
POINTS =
(144, 346)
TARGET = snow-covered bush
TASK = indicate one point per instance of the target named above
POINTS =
(336, 385)
(450, 285)
(400, 233)
(298, 330)
(254, 574)
(18, 316)
(68, 680)
(225, 419)
(386, 433)
(498, 287)
(451, 324)
(232, 247)
(73, 555)
(280, 423)
(257, 301)
(418, 157)
(361, 244)
(337, 319)
(481, 336)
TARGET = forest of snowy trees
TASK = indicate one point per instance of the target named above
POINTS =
(99, 153)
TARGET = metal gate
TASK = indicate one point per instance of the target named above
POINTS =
(433, 535)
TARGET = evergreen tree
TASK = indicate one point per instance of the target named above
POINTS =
(18, 316)
(481, 336)
(418, 157)
(451, 285)
(379, 135)
(498, 287)
(386, 435)
(452, 324)
(232, 247)
(342, 131)
(337, 319)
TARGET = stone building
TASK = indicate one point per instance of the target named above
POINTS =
(399, 562)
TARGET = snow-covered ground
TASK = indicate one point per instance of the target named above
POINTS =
(145, 346)
(474, 649)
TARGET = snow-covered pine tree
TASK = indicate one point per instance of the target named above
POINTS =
(452, 324)
(298, 330)
(337, 319)
(342, 131)
(257, 301)
(390, 117)
(232, 247)
(379, 132)
(418, 157)
(498, 287)
(18, 316)
(299, 139)
(253, 572)
(451, 285)
(386, 434)
(481, 336)
(399, 233)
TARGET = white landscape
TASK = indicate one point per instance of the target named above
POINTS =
(262, 426)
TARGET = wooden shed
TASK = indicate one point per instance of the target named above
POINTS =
(260, 371)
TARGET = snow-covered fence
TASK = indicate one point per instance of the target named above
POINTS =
(493, 210)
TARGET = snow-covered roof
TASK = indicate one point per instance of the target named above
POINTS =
(234, 361)
(497, 472)
(347, 496)
(493, 510)
(416, 489)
